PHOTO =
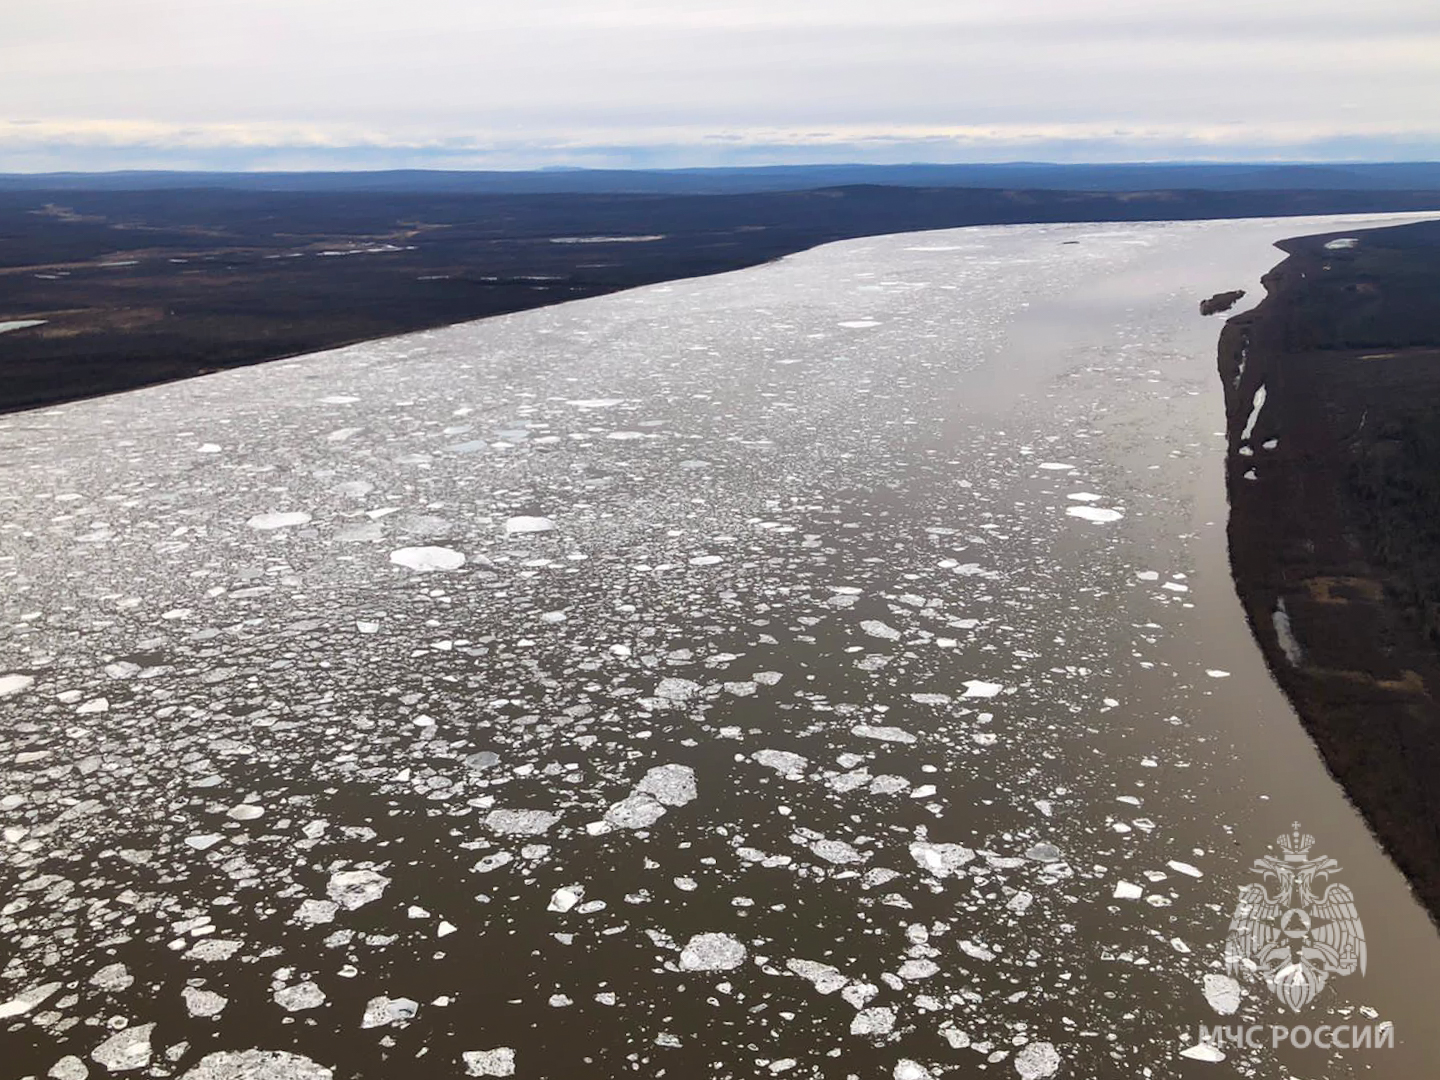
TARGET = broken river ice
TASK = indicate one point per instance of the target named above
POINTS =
(728, 678)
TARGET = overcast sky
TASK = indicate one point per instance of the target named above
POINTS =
(88, 84)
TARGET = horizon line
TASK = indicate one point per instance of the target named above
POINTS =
(1029, 163)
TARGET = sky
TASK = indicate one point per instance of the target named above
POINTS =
(480, 84)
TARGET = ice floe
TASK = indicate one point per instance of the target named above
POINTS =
(427, 558)
(352, 889)
(498, 1062)
(1100, 515)
(1222, 993)
(712, 952)
(257, 1065)
(279, 520)
(15, 683)
(523, 525)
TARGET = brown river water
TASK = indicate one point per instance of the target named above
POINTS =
(830, 669)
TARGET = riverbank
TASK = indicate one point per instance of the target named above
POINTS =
(1332, 389)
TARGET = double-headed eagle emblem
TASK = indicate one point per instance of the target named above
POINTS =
(1292, 928)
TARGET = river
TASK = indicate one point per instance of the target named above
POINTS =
(827, 669)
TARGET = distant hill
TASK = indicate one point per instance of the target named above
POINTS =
(1391, 176)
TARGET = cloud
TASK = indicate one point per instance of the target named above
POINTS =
(480, 80)
(39, 145)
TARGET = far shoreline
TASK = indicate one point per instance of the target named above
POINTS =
(1334, 368)
(137, 288)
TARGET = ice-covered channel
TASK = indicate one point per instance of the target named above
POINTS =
(829, 669)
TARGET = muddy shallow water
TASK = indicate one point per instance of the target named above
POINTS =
(843, 677)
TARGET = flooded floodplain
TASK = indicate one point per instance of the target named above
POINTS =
(829, 669)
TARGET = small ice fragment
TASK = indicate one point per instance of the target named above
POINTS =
(1097, 514)
(884, 734)
(211, 950)
(69, 1067)
(1056, 466)
(877, 629)
(278, 520)
(877, 1021)
(1203, 1051)
(203, 1003)
(976, 950)
(14, 684)
(352, 889)
(301, 996)
(942, 860)
(635, 812)
(1124, 890)
(912, 970)
(825, 978)
(1222, 993)
(316, 912)
(18, 1006)
(836, 851)
(383, 1011)
(521, 822)
(975, 688)
(257, 1065)
(676, 689)
(905, 1069)
(498, 1062)
(125, 1050)
(112, 978)
(712, 952)
(1184, 868)
(1256, 405)
(426, 559)
(1037, 1060)
(562, 900)
(523, 524)
(1217, 673)
(673, 785)
(888, 785)
(782, 761)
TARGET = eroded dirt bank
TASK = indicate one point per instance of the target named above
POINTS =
(1332, 389)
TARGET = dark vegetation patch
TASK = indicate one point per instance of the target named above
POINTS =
(1335, 514)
